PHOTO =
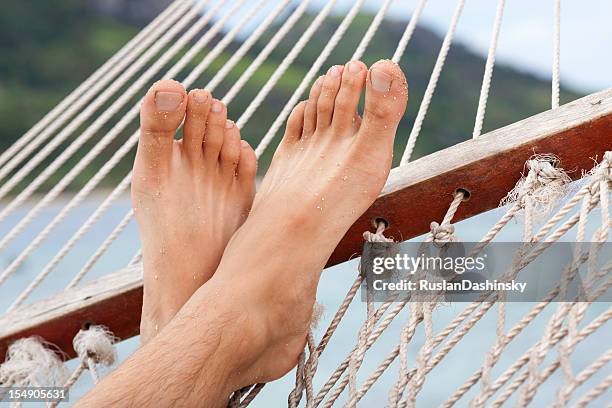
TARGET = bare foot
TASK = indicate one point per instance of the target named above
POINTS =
(329, 168)
(189, 195)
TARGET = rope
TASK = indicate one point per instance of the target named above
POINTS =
(421, 311)
(485, 307)
(407, 35)
(95, 217)
(293, 100)
(556, 55)
(102, 249)
(285, 63)
(93, 89)
(236, 56)
(602, 387)
(136, 258)
(88, 112)
(488, 74)
(433, 81)
(263, 55)
(356, 359)
(365, 40)
(104, 73)
(76, 374)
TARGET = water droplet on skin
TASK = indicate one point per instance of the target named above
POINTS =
(155, 277)
(194, 277)
(395, 98)
(156, 328)
(319, 208)
(322, 198)
(344, 178)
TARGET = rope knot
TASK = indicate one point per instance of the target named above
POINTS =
(96, 343)
(541, 188)
(605, 167)
(31, 361)
(442, 233)
(378, 235)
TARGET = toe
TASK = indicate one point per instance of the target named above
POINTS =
(247, 169)
(215, 129)
(230, 151)
(161, 113)
(293, 131)
(198, 106)
(329, 90)
(347, 100)
(310, 114)
(385, 102)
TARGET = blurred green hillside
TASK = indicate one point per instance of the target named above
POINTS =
(48, 48)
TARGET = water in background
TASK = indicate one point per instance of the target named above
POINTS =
(458, 365)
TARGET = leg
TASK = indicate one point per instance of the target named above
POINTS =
(248, 323)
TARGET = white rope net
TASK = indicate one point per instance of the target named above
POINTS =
(187, 41)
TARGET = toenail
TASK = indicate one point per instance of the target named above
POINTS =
(168, 101)
(381, 81)
(217, 107)
(354, 67)
(334, 71)
(200, 97)
(229, 124)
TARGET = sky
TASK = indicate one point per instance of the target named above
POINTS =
(525, 40)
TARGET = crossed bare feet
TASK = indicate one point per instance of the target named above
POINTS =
(190, 198)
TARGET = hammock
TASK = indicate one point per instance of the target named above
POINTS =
(447, 186)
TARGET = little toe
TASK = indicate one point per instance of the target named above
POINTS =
(198, 106)
(347, 100)
(327, 98)
(161, 113)
(310, 114)
(215, 130)
(385, 102)
(230, 151)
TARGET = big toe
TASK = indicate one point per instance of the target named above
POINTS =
(161, 113)
(385, 103)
